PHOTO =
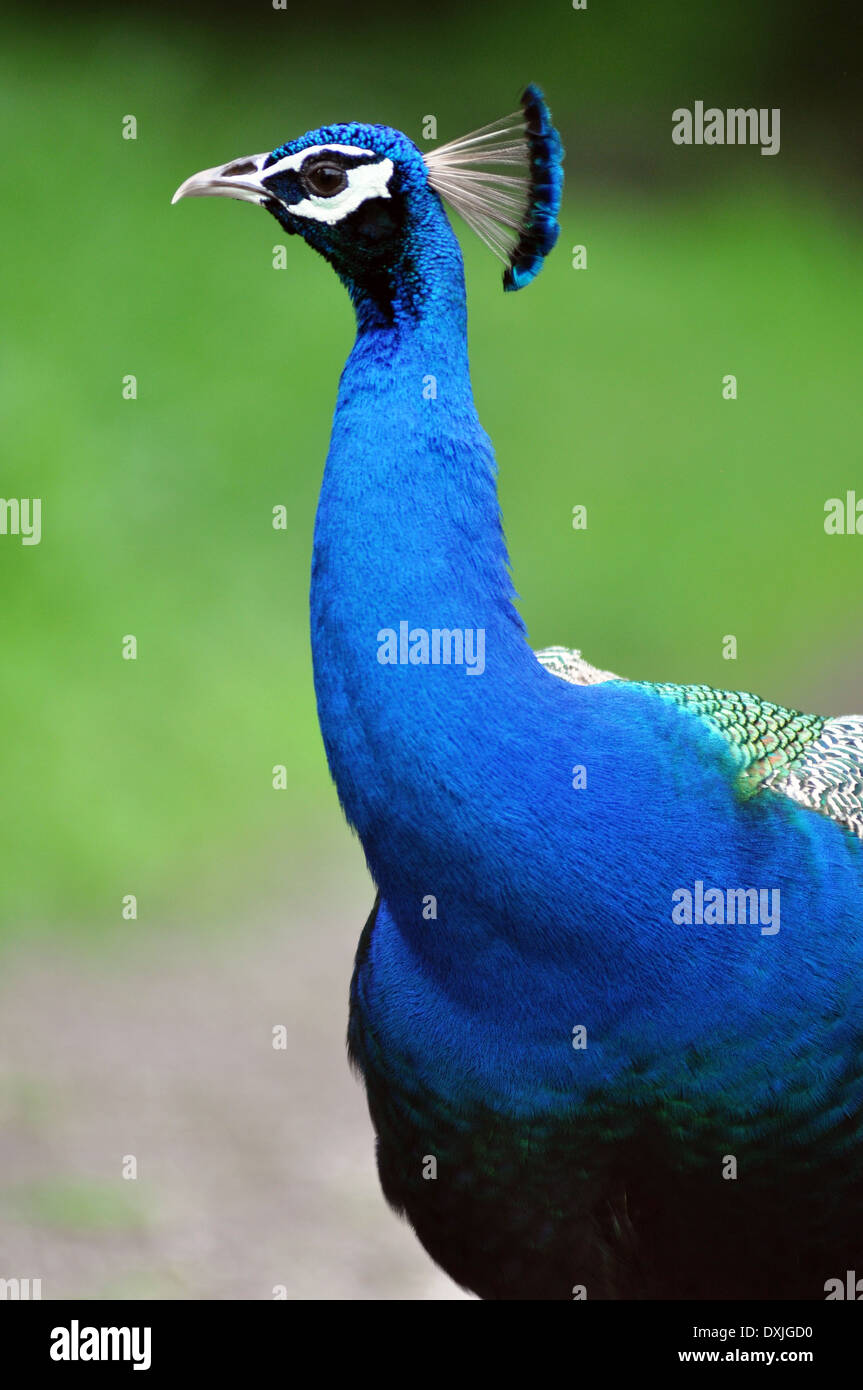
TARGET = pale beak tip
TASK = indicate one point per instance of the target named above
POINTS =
(231, 180)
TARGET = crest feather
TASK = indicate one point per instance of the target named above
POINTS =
(506, 180)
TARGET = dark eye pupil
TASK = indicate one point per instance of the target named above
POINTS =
(326, 179)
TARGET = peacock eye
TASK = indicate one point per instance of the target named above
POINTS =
(325, 180)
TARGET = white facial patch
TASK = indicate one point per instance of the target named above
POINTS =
(368, 180)
(290, 163)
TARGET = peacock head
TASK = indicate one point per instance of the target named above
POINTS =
(369, 200)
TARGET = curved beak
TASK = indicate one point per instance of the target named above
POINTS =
(241, 178)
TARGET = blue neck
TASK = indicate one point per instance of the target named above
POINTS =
(408, 531)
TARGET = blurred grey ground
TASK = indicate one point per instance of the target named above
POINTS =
(255, 1166)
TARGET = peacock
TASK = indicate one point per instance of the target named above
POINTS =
(608, 1004)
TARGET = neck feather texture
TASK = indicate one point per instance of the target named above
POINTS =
(408, 540)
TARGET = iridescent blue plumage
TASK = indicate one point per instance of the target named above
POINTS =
(541, 228)
(571, 1087)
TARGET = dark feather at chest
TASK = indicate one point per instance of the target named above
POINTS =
(610, 1201)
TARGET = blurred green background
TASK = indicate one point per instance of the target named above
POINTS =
(600, 386)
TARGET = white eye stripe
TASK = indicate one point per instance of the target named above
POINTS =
(292, 162)
(364, 182)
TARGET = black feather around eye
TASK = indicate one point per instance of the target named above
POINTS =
(323, 179)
